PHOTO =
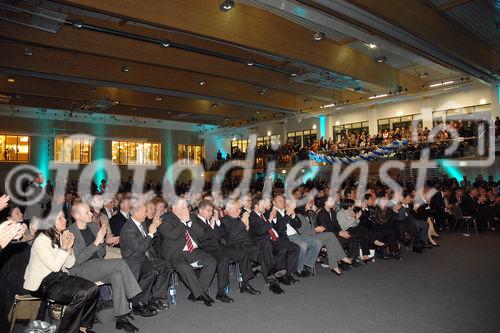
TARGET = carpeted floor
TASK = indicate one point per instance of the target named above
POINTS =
(454, 288)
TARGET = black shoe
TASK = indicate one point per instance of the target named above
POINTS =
(304, 274)
(275, 288)
(224, 298)
(278, 274)
(291, 279)
(159, 303)
(285, 280)
(203, 298)
(344, 266)
(122, 323)
(396, 256)
(309, 270)
(247, 288)
(209, 298)
(356, 262)
(143, 310)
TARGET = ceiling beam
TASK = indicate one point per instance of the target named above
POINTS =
(269, 33)
(101, 71)
(102, 44)
(417, 25)
(453, 4)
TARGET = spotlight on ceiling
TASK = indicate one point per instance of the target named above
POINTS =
(116, 102)
(202, 82)
(372, 46)
(262, 91)
(214, 105)
(381, 59)
(423, 75)
(11, 80)
(92, 90)
(28, 52)
(317, 36)
(250, 62)
(164, 43)
(77, 24)
(125, 69)
(226, 5)
(158, 98)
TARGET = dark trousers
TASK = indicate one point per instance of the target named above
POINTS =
(223, 257)
(78, 295)
(182, 264)
(350, 245)
(406, 226)
(386, 233)
(364, 236)
(287, 255)
(153, 280)
(262, 254)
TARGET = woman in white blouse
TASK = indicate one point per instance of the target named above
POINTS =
(46, 277)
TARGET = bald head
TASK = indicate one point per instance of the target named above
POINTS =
(81, 213)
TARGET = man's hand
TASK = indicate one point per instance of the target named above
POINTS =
(272, 216)
(245, 220)
(101, 235)
(4, 199)
(112, 240)
(8, 231)
(344, 234)
(153, 228)
(319, 229)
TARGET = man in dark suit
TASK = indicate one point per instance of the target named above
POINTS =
(206, 228)
(326, 218)
(287, 224)
(119, 219)
(68, 203)
(261, 230)
(37, 198)
(235, 230)
(149, 271)
(437, 205)
(89, 250)
(181, 249)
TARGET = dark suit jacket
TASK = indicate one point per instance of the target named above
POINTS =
(281, 224)
(134, 246)
(468, 205)
(81, 251)
(67, 212)
(234, 231)
(258, 229)
(117, 222)
(211, 240)
(172, 232)
(437, 203)
(328, 221)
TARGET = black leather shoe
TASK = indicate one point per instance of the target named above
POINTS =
(143, 310)
(275, 288)
(209, 298)
(122, 323)
(357, 262)
(247, 288)
(344, 266)
(224, 298)
(304, 274)
(159, 303)
(285, 280)
(203, 298)
(309, 270)
(279, 273)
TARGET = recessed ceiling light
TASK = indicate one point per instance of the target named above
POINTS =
(92, 90)
(164, 43)
(202, 82)
(423, 75)
(116, 102)
(125, 69)
(317, 36)
(250, 62)
(226, 5)
(158, 98)
(372, 46)
(262, 91)
(11, 80)
(28, 52)
(214, 105)
(381, 59)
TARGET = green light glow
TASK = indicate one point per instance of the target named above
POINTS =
(44, 149)
(322, 126)
(99, 152)
(168, 153)
(451, 170)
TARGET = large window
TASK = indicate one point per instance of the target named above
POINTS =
(71, 150)
(302, 138)
(14, 148)
(193, 154)
(241, 145)
(132, 152)
(399, 122)
(482, 111)
(268, 140)
(354, 128)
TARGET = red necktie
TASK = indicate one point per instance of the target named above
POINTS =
(189, 242)
(271, 231)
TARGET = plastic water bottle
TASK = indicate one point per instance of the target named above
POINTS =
(173, 295)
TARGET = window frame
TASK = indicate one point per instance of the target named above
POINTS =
(124, 147)
(18, 137)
